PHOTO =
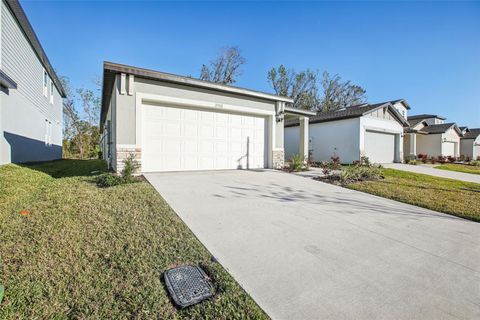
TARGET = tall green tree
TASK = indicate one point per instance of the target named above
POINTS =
(81, 113)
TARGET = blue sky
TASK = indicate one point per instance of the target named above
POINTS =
(425, 52)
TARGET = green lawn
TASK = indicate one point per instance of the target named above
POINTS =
(439, 194)
(85, 252)
(460, 168)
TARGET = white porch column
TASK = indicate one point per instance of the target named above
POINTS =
(413, 144)
(303, 149)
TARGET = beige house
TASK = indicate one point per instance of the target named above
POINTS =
(175, 123)
(429, 134)
(470, 143)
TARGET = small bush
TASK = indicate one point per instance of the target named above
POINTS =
(107, 180)
(452, 159)
(335, 162)
(423, 157)
(360, 173)
(326, 168)
(442, 159)
(297, 163)
(475, 163)
(130, 166)
(433, 160)
(412, 162)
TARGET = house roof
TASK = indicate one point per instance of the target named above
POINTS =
(439, 128)
(414, 122)
(32, 38)
(425, 116)
(472, 133)
(402, 101)
(351, 112)
(110, 69)
(463, 128)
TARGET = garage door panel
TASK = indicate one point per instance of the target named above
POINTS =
(448, 149)
(187, 139)
(380, 147)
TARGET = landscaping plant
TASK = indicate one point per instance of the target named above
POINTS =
(358, 173)
(297, 163)
(130, 167)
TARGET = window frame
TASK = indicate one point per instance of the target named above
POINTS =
(51, 91)
(45, 83)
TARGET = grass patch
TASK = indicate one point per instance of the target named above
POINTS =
(89, 252)
(460, 168)
(439, 194)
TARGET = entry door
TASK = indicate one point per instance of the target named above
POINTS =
(177, 139)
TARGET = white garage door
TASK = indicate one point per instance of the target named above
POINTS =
(380, 147)
(176, 139)
(448, 149)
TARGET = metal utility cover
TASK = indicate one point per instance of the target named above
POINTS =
(188, 285)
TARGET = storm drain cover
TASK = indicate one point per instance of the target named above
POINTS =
(188, 285)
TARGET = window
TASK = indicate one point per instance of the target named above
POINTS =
(48, 133)
(45, 83)
(51, 91)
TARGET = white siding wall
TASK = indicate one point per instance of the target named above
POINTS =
(25, 110)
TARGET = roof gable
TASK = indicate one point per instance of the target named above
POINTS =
(440, 128)
(353, 112)
(472, 133)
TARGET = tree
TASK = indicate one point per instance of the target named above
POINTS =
(80, 125)
(338, 94)
(225, 68)
(300, 86)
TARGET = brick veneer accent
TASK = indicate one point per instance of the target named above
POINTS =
(122, 154)
(278, 157)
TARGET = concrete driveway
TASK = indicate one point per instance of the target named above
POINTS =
(430, 170)
(309, 250)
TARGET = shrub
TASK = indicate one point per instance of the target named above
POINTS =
(441, 159)
(335, 164)
(412, 162)
(326, 168)
(360, 173)
(109, 180)
(475, 163)
(422, 155)
(433, 160)
(451, 159)
(365, 161)
(130, 166)
(297, 163)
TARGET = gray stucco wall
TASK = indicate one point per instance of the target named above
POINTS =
(25, 110)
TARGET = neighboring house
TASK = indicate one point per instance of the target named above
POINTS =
(463, 130)
(372, 130)
(470, 143)
(30, 93)
(174, 123)
(429, 134)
